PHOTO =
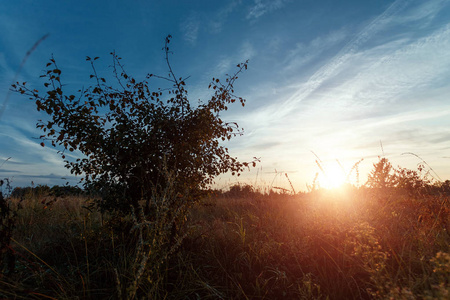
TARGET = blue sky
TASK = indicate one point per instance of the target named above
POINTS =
(326, 78)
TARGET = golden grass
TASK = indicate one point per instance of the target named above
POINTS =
(348, 244)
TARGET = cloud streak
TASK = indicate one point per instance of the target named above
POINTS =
(262, 7)
(303, 54)
(375, 88)
(216, 25)
(331, 68)
(364, 76)
(190, 28)
(337, 89)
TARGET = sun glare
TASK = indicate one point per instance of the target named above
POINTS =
(333, 177)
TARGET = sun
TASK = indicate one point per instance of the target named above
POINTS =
(332, 177)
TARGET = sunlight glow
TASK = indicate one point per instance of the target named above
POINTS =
(333, 176)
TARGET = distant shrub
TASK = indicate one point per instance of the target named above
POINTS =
(384, 176)
(240, 190)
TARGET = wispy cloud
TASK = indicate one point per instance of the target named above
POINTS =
(27, 154)
(305, 53)
(247, 51)
(262, 7)
(424, 13)
(373, 89)
(190, 28)
(216, 25)
(359, 73)
(8, 171)
(332, 67)
(392, 72)
(337, 88)
(225, 64)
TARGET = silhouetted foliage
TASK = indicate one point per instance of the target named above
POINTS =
(7, 224)
(241, 190)
(414, 182)
(134, 138)
(445, 188)
(45, 190)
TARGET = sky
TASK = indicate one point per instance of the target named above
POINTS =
(329, 82)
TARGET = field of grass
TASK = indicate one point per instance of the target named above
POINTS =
(351, 243)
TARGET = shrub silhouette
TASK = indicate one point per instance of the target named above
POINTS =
(135, 139)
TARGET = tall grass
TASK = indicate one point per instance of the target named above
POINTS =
(351, 243)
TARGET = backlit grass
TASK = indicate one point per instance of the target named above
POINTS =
(355, 243)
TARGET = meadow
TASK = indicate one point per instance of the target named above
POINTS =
(375, 241)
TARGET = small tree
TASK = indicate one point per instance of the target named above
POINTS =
(382, 175)
(385, 176)
(134, 138)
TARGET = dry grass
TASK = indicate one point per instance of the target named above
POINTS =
(348, 244)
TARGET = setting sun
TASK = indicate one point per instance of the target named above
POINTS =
(333, 176)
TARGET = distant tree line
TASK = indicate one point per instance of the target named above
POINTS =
(45, 190)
